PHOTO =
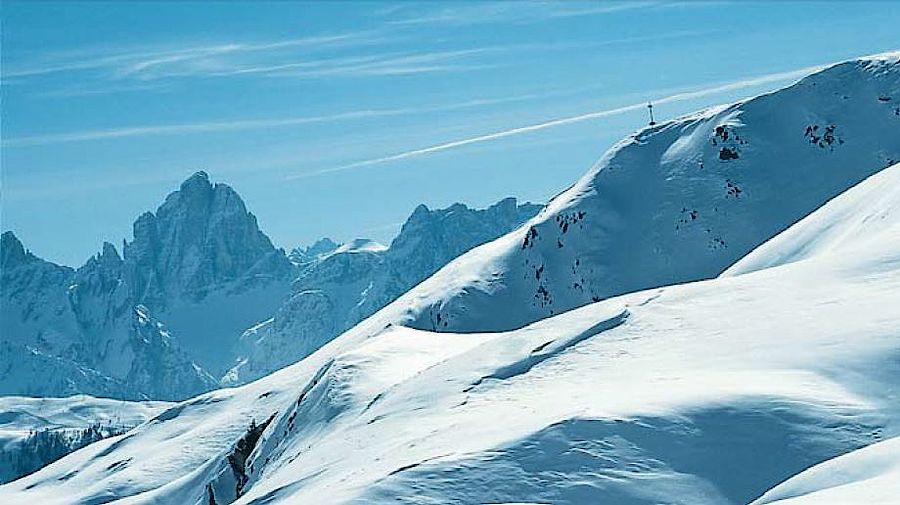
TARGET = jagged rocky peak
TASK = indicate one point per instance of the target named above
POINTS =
(321, 247)
(107, 258)
(100, 276)
(506, 211)
(431, 237)
(12, 252)
(13, 255)
(201, 236)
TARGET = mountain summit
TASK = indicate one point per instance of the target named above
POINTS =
(200, 238)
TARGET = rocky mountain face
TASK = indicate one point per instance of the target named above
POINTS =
(341, 287)
(165, 319)
(200, 238)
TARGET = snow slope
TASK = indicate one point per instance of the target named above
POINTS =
(839, 223)
(21, 418)
(870, 475)
(709, 392)
(676, 202)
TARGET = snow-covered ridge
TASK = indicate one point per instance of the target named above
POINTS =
(689, 394)
(360, 245)
(676, 202)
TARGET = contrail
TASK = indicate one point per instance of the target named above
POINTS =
(744, 83)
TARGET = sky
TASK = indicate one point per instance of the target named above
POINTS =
(338, 118)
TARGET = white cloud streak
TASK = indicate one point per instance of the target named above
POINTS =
(732, 86)
(246, 124)
(149, 61)
(523, 12)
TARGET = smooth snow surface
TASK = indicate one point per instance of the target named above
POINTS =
(843, 222)
(869, 476)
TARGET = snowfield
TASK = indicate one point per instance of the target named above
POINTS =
(775, 382)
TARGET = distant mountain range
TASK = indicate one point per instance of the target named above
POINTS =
(182, 304)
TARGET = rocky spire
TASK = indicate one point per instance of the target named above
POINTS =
(201, 236)
(12, 252)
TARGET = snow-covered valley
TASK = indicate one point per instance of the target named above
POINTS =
(730, 336)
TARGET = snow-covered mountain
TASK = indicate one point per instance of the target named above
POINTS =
(340, 285)
(56, 344)
(709, 392)
(202, 265)
(37, 431)
(676, 202)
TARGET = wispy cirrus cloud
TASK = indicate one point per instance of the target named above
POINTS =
(368, 53)
(553, 123)
(248, 124)
(141, 61)
(462, 14)
(395, 63)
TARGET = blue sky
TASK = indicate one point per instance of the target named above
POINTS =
(339, 118)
